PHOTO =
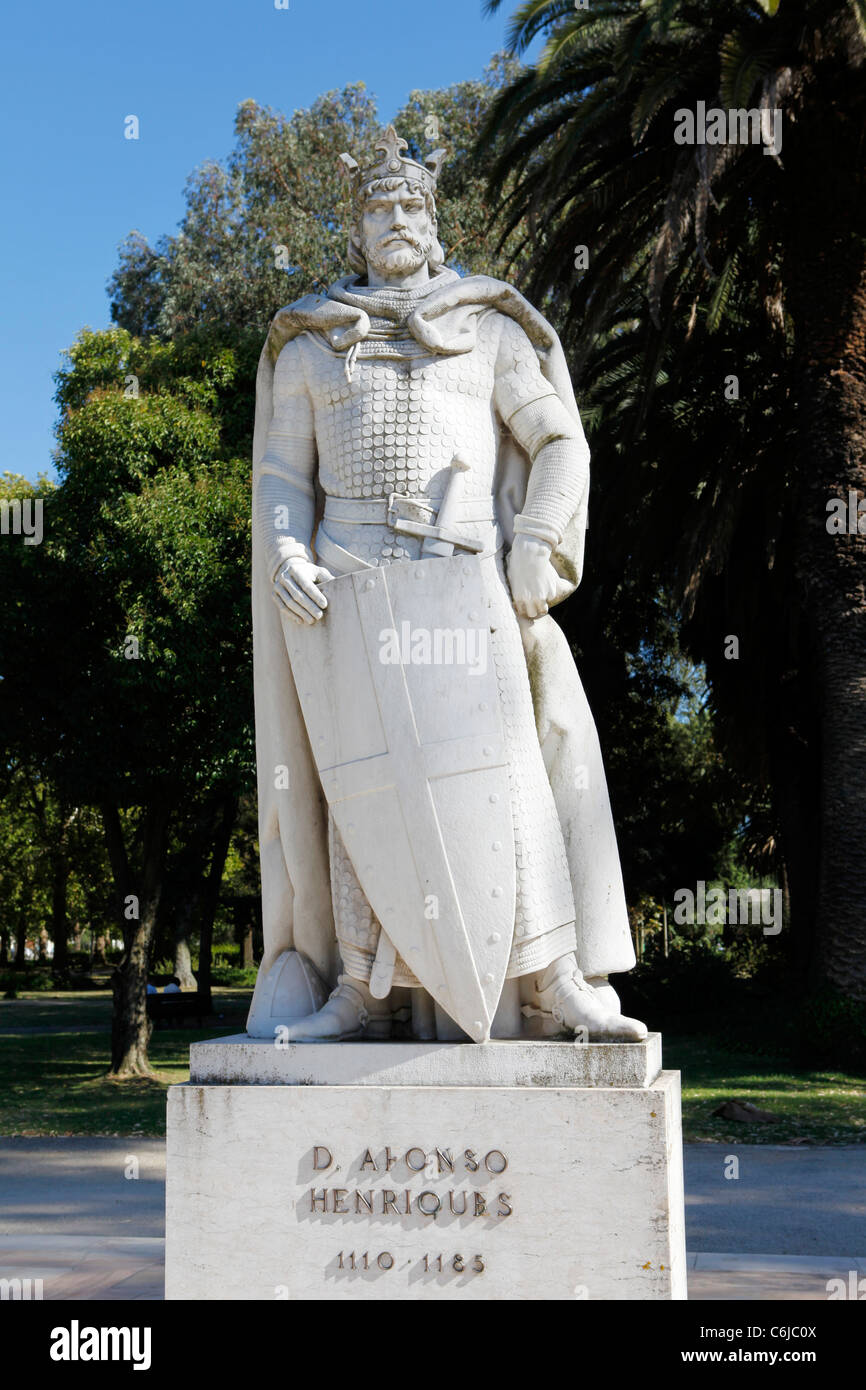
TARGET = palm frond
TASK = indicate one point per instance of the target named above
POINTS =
(858, 9)
(722, 293)
(743, 68)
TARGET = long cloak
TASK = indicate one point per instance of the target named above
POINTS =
(296, 893)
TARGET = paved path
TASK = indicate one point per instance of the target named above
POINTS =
(786, 1201)
(77, 1187)
(795, 1217)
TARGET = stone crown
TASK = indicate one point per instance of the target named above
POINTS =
(394, 164)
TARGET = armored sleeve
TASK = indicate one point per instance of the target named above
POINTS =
(550, 434)
(285, 500)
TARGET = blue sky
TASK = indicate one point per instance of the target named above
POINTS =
(74, 186)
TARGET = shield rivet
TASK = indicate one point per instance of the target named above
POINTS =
(484, 705)
(496, 893)
(419, 574)
(494, 937)
(494, 797)
(488, 752)
(467, 569)
(370, 584)
(478, 1026)
(488, 979)
(497, 844)
(473, 616)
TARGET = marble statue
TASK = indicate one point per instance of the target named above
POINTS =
(437, 849)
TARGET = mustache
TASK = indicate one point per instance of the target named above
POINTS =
(390, 237)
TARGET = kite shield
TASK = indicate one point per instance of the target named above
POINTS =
(401, 703)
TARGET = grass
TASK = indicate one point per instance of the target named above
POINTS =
(56, 1084)
(825, 1106)
(49, 1009)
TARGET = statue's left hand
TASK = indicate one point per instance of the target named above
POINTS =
(534, 582)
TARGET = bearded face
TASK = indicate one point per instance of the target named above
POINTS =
(396, 235)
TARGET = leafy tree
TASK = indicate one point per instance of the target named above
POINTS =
(283, 186)
(24, 887)
(137, 699)
(144, 583)
(270, 225)
(708, 263)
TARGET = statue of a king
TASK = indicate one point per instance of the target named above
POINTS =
(438, 853)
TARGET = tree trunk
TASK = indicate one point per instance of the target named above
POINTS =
(187, 883)
(796, 782)
(59, 923)
(184, 916)
(183, 961)
(130, 1026)
(21, 940)
(828, 302)
(210, 896)
(4, 946)
(247, 946)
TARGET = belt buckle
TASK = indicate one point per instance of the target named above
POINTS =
(404, 508)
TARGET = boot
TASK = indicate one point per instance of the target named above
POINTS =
(344, 1018)
(562, 1002)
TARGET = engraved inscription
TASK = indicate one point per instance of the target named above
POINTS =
(411, 1163)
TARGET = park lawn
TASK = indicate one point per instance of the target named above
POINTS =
(824, 1106)
(51, 1009)
(55, 1083)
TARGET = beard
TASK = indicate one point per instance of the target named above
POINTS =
(400, 258)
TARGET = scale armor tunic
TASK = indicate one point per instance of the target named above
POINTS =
(390, 418)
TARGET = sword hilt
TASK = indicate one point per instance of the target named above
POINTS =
(445, 537)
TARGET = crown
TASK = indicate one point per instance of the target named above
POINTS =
(394, 165)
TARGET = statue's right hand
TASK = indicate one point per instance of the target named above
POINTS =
(296, 589)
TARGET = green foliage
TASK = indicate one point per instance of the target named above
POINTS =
(34, 981)
(155, 528)
(234, 976)
(147, 536)
(14, 485)
(744, 997)
(832, 1030)
(283, 186)
(704, 264)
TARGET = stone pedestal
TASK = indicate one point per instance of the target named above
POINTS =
(513, 1170)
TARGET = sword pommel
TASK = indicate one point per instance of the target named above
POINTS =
(446, 537)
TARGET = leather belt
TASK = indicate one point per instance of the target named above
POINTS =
(385, 511)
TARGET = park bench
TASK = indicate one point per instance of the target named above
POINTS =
(170, 1008)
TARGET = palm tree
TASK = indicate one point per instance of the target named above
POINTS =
(719, 331)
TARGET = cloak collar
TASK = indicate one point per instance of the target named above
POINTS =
(442, 317)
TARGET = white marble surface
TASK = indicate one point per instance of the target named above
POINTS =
(570, 1193)
(433, 806)
(241, 1060)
